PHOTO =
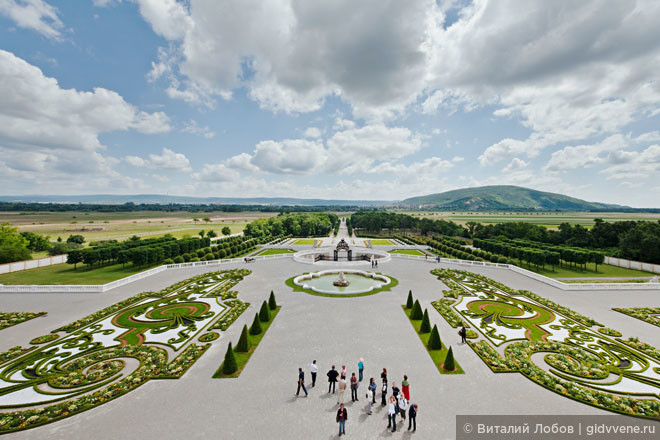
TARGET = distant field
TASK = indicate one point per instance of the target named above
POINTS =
(65, 274)
(550, 220)
(124, 225)
(274, 252)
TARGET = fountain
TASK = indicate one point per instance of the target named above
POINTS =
(341, 281)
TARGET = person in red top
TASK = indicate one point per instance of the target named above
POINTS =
(405, 388)
(342, 416)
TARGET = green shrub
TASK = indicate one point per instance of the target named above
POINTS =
(426, 323)
(243, 342)
(178, 259)
(229, 366)
(434, 340)
(416, 311)
(255, 328)
(409, 303)
(449, 364)
(264, 316)
(271, 301)
(168, 261)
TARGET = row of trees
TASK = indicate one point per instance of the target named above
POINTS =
(296, 225)
(374, 222)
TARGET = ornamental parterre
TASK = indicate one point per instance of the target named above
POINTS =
(554, 346)
(111, 352)
(647, 314)
(13, 318)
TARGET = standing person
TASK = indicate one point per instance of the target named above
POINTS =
(301, 381)
(463, 333)
(354, 388)
(391, 414)
(332, 379)
(361, 368)
(403, 406)
(371, 394)
(314, 369)
(342, 416)
(405, 388)
(342, 389)
(412, 417)
(343, 371)
(395, 390)
(383, 375)
(383, 394)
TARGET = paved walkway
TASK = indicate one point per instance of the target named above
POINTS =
(261, 403)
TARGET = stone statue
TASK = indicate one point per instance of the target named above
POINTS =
(341, 281)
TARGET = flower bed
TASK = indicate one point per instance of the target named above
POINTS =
(12, 353)
(43, 339)
(236, 308)
(208, 337)
(13, 318)
(443, 306)
(646, 314)
(642, 346)
(609, 332)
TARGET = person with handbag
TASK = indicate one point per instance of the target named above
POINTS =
(332, 379)
(342, 416)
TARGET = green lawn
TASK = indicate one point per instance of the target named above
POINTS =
(438, 356)
(304, 241)
(408, 252)
(65, 274)
(604, 270)
(243, 358)
(274, 252)
(381, 242)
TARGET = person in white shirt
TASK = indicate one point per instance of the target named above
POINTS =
(391, 414)
(314, 369)
(403, 406)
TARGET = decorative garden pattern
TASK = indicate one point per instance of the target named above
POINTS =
(647, 314)
(104, 355)
(552, 345)
(13, 318)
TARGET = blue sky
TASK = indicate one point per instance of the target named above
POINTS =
(368, 100)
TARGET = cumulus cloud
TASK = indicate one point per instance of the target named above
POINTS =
(36, 15)
(313, 132)
(515, 164)
(193, 127)
(167, 160)
(217, 173)
(584, 156)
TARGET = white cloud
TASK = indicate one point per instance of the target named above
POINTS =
(193, 128)
(635, 165)
(651, 136)
(515, 164)
(313, 132)
(36, 15)
(290, 156)
(217, 173)
(584, 156)
(431, 166)
(167, 160)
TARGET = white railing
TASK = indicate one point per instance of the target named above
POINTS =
(536, 276)
(72, 288)
(32, 264)
(630, 264)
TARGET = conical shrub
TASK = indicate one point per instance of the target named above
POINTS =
(264, 315)
(426, 323)
(434, 340)
(229, 366)
(271, 301)
(409, 303)
(450, 365)
(255, 328)
(243, 342)
(416, 311)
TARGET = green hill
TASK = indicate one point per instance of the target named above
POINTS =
(505, 198)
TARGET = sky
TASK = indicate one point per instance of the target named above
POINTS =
(375, 99)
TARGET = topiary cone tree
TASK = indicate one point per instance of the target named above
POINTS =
(434, 340)
(243, 342)
(229, 366)
(416, 311)
(255, 328)
(409, 303)
(271, 301)
(426, 323)
(264, 315)
(449, 364)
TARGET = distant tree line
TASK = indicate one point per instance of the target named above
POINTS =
(297, 225)
(374, 222)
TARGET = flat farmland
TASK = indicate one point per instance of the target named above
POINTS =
(121, 225)
(551, 220)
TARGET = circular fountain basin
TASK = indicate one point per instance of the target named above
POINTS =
(359, 281)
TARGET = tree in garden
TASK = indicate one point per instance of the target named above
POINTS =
(79, 239)
(255, 329)
(271, 301)
(409, 303)
(264, 316)
(434, 340)
(13, 246)
(229, 366)
(450, 364)
(243, 344)
(74, 257)
(426, 323)
(226, 230)
(201, 233)
(416, 311)
(211, 233)
(206, 220)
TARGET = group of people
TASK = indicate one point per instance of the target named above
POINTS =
(374, 262)
(398, 403)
